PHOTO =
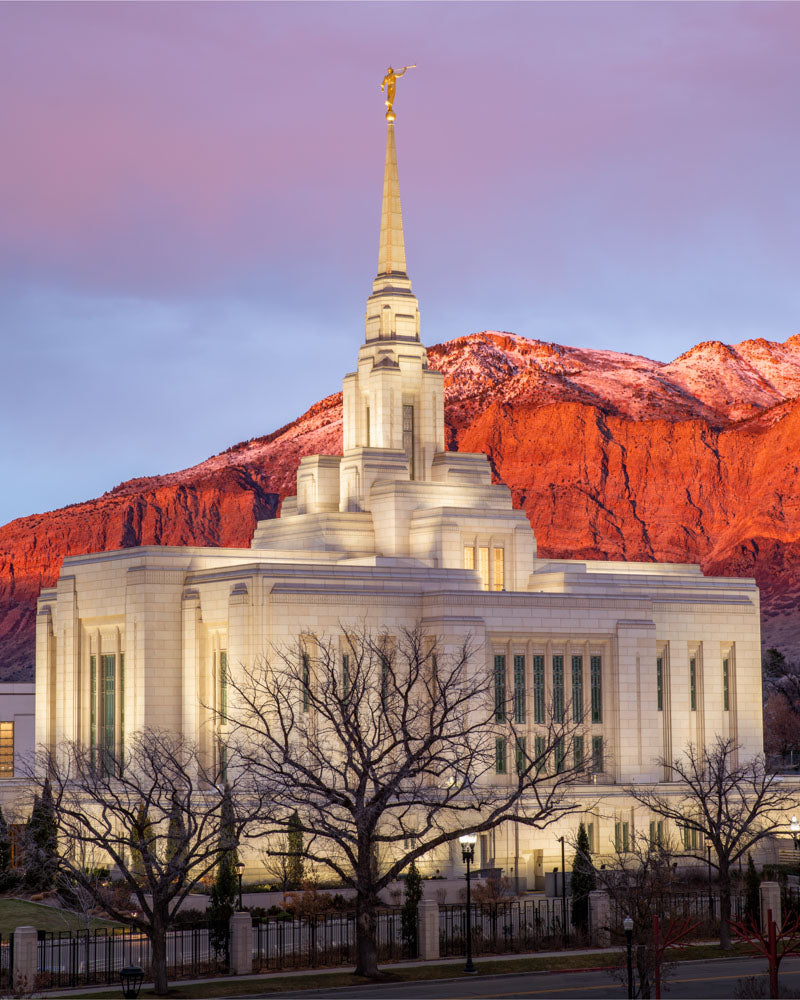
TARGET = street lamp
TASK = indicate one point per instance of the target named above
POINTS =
(627, 923)
(794, 826)
(239, 866)
(131, 977)
(467, 842)
(710, 893)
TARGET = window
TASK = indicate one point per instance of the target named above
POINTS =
(223, 762)
(499, 688)
(660, 683)
(469, 557)
(223, 685)
(539, 747)
(538, 689)
(577, 688)
(692, 838)
(726, 697)
(498, 581)
(93, 702)
(519, 689)
(305, 682)
(561, 756)
(590, 835)
(656, 832)
(622, 836)
(483, 566)
(108, 665)
(558, 687)
(345, 674)
(121, 706)
(693, 684)
(597, 753)
(408, 437)
(386, 676)
(500, 755)
(369, 435)
(596, 668)
(577, 753)
(520, 755)
(6, 749)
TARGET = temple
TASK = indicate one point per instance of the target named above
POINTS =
(395, 531)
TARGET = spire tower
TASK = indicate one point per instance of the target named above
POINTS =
(392, 250)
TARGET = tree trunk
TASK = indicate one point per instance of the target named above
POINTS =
(158, 942)
(724, 905)
(366, 934)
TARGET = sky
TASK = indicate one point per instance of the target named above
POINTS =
(190, 201)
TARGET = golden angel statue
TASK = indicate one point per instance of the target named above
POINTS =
(389, 84)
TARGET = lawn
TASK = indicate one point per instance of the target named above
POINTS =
(21, 912)
(486, 967)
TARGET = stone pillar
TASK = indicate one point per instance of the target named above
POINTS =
(428, 929)
(600, 918)
(25, 959)
(770, 898)
(241, 928)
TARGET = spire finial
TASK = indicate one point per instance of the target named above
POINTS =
(389, 82)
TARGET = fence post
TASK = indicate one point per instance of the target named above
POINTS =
(600, 918)
(25, 959)
(428, 929)
(241, 930)
(770, 898)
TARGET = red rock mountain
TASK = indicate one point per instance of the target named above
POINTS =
(611, 456)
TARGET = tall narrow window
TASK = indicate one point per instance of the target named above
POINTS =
(305, 681)
(108, 666)
(385, 680)
(561, 756)
(726, 680)
(369, 430)
(500, 755)
(520, 755)
(538, 689)
(345, 675)
(622, 837)
(223, 685)
(577, 753)
(499, 688)
(469, 557)
(223, 762)
(93, 701)
(590, 835)
(539, 748)
(693, 684)
(121, 707)
(577, 689)
(660, 683)
(519, 689)
(596, 669)
(483, 565)
(558, 687)
(6, 749)
(656, 832)
(597, 754)
(498, 580)
(408, 437)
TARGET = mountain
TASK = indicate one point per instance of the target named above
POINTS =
(611, 456)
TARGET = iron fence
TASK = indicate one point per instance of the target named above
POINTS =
(513, 925)
(6, 961)
(701, 907)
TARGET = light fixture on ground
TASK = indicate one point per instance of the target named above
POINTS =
(467, 842)
(627, 925)
(794, 826)
(131, 978)
(239, 866)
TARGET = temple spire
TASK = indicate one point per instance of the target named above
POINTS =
(392, 249)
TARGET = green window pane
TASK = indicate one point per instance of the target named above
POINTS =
(693, 684)
(561, 756)
(520, 755)
(725, 686)
(538, 689)
(345, 674)
(577, 753)
(577, 688)
(121, 706)
(558, 688)
(108, 666)
(93, 701)
(305, 681)
(519, 689)
(597, 753)
(500, 755)
(660, 683)
(499, 688)
(596, 669)
(223, 685)
(539, 747)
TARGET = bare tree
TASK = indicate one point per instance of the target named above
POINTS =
(387, 748)
(722, 802)
(154, 813)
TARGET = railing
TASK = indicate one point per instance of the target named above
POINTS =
(514, 925)
(6, 962)
(701, 907)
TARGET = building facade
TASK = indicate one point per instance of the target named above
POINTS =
(398, 531)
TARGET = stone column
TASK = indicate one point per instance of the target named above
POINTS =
(770, 897)
(25, 959)
(428, 929)
(600, 918)
(241, 928)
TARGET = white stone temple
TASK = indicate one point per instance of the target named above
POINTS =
(395, 531)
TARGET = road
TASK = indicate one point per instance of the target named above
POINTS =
(688, 980)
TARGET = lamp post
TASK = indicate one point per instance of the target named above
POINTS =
(564, 895)
(710, 893)
(239, 866)
(794, 826)
(131, 978)
(627, 923)
(467, 842)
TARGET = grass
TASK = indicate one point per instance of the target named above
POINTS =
(486, 967)
(21, 912)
